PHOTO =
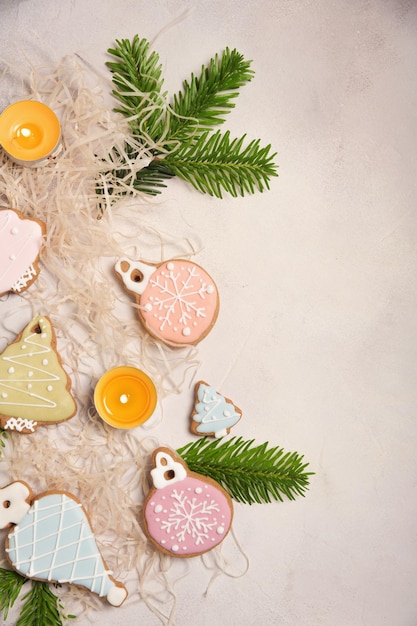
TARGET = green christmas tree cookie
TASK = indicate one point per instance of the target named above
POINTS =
(34, 387)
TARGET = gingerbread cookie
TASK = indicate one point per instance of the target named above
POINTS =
(51, 539)
(185, 514)
(34, 388)
(213, 414)
(21, 240)
(178, 301)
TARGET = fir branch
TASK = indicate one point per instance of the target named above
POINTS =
(11, 584)
(178, 135)
(3, 437)
(206, 99)
(248, 473)
(213, 163)
(151, 178)
(41, 607)
(137, 79)
(124, 178)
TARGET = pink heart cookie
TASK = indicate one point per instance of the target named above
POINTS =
(21, 240)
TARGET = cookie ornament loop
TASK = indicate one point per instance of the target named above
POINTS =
(178, 301)
(14, 503)
(185, 514)
(167, 470)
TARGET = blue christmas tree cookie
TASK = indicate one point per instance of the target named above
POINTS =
(213, 414)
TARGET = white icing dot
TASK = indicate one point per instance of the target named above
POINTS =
(175, 548)
(30, 386)
(12, 257)
(175, 329)
(186, 332)
(11, 370)
(14, 230)
(210, 288)
(49, 388)
(4, 395)
(43, 335)
(45, 362)
(41, 320)
(220, 530)
(30, 374)
(23, 346)
(158, 508)
(198, 490)
(148, 307)
(207, 408)
(163, 541)
(226, 413)
(170, 266)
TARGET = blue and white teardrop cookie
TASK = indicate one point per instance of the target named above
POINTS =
(50, 539)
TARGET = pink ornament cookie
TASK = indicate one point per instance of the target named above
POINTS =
(34, 387)
(21, 240)
(179, 301)
(51, 539)
(185, 514)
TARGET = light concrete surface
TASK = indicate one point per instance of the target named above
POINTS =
(317, 336)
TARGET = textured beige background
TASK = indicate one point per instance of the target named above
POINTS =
(317, 337)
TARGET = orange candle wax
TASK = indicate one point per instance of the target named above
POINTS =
(125, 397)
(29, 132)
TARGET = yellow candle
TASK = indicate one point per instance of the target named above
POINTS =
(29, 132)
(125, 397)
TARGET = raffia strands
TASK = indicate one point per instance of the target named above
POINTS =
(105, 468)
(77, 286)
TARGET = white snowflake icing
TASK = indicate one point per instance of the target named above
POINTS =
(22, 282)
(20, 424)
(178, 297)
(190, 517)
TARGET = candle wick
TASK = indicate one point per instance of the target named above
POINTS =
(124, 398)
